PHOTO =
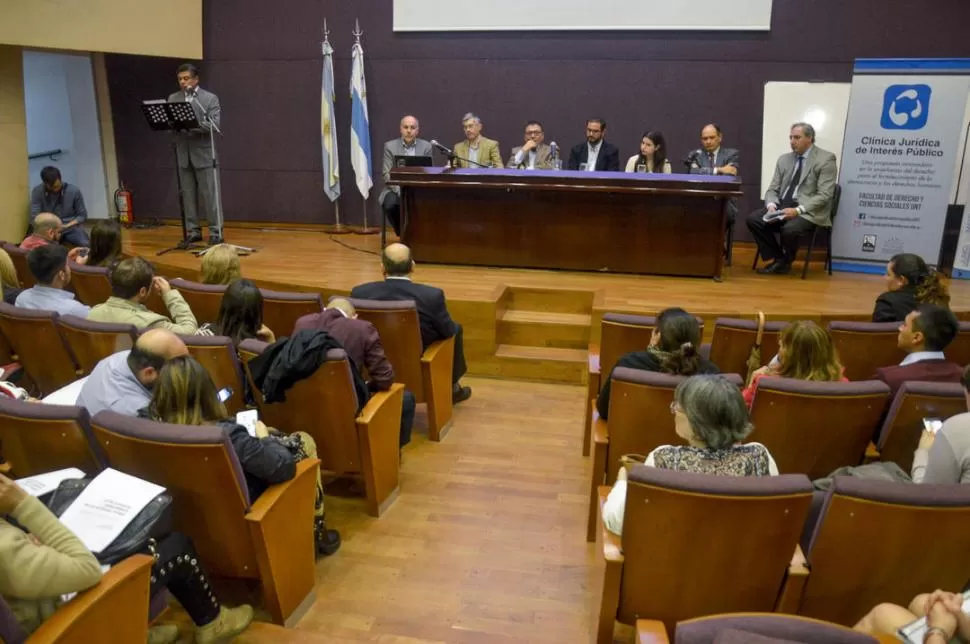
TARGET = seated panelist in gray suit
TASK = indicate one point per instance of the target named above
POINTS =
(196, 158)
(533, 153)
(799, 198)
(713, 158)
(406, 145)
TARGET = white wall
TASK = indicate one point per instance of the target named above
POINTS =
(62, 114)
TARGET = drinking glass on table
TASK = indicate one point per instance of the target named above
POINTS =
(642, 168)
(583, 167)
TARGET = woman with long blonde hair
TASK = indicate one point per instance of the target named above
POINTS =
(805, 352)
(184, 394)
(9, 282)
(220, 265)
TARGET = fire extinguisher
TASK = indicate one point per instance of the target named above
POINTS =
(123, 205)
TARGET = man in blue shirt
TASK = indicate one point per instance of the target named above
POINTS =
(65, 201)
(50, 268)
(123, 382)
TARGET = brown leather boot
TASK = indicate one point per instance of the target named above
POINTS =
(229, 623)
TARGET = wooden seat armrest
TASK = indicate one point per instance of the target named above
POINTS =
(872, 453)
(651, 631)
(121, 596)
(5, 468)
(793, 588)
(280, 492)
(601, 434)
(798, 565)
(437, 363)
(379, 431)
(612, 544)
(435, 348)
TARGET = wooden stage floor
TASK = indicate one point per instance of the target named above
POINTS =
(532, 324)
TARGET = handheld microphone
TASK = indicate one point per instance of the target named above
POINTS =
(447, 151)
(691, 159)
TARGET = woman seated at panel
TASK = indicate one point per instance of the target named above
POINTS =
(105, 247)
(710, 415)
(220, 265)
(36, 569)
(240, 315)
(184, 394)
(805, 352)
(9, 282)
(652, 157)
(909, 283)
(674, 346)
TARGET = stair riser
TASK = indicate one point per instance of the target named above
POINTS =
(536, 334)
(526, 299)
(541, 370)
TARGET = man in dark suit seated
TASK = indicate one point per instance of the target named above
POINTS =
(924, 335)
(363, 345)
(715, 159)
(594, 154)
(436, 323)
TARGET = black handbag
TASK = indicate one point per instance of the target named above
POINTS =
(152, 523)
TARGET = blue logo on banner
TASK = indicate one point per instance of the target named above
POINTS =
(905, 107)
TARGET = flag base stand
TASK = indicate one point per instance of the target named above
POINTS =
(365, 230)
(337, 229)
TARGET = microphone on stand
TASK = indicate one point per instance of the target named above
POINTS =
(554, 153)
(447, 151)
(691, 159)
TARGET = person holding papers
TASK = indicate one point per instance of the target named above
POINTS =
(36, 569)
(184, 394)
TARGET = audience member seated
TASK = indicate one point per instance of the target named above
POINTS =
(184, 394)
(52, 271)
(132, 281)
(123, 382)
(944, 456)
(220, 265)
(805, 352)
(436, 323)
(909, 283)
(41, 560)
(673, 349)
(362, 343)
(924, 335)
(9, 282)
(105, 247)
(240, 315)
(945, 620)
(710, 415)
(64, 201)
(46, 231)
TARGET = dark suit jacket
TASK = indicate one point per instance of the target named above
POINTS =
(725, 156)
(924, 370)
(608, 159)
(360, 340)
(436, 323)
(646, 360)
(894, 306)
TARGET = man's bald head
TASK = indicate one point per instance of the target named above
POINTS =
(397, 260)
(46, 225)
(344, 305)
(152, 350)
(409, 129)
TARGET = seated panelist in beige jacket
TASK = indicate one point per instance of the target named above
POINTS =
(476, 147)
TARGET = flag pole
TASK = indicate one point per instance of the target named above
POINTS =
(363, 229)
(336, 228)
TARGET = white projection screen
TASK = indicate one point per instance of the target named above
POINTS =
(576, 15)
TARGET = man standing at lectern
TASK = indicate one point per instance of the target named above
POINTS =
(196, 158)
(799, 198)
(406, 145)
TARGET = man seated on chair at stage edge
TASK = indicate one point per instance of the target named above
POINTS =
(436, 323)
(49, 266)
(363, 346)
(47, 230)
(64, 200)
(132, 281)
(924, 335)
(123, 381)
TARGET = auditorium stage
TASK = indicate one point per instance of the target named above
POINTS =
(531, 324)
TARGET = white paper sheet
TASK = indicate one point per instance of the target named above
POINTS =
(107, 506)
(247, 418)
(66, 395)
(41, 484)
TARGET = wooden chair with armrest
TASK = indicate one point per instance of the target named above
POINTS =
(281, 309)
(325, 406)
(39, 347)
(877, 541)
(866, 346)
(639, 422)
(91, 342)
(959, 349)
(219, 357)
(734, 338)
(757, 522)
(743, 628)
(19, 258)
(815, 427)
(900, 433)
(425, 373)
(91, 284)
(118, 603)
(205, 300)
(36, 438)
(620, 333)
(269, 539)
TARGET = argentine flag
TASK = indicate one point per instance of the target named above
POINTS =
(359, 126)
(328, 133)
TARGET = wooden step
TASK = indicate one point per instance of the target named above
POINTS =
(547, 364)
(544, 329)
(262, 633)
(552, 300)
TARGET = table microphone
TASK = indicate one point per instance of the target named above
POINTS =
(691, 158)
(447, 151)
